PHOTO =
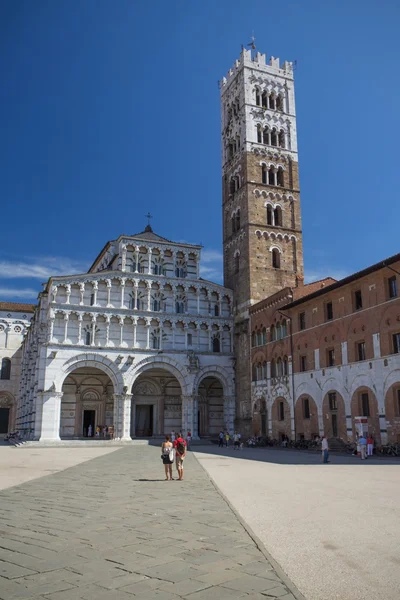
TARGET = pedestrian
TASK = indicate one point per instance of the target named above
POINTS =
(236, 441)
(180, 453)
(325, 449)
(167, 456)
(189, 439)
(98, 431)
(105, 432)
(227, 438)
(172, 436)
(221, 439)
(370, 445)
(363, 446)
(89, 431)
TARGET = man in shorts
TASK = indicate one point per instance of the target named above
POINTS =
(236, 441)
(180, 453)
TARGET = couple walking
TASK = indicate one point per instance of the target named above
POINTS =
(169, 451)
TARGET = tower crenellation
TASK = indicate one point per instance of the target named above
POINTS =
(262, 233)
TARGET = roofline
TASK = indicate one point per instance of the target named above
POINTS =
(358, 275)
(197, 246)
(99, 254)
(20, 310)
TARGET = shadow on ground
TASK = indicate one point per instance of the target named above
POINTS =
(283, 456)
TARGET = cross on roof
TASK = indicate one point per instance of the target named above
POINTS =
(148, 217)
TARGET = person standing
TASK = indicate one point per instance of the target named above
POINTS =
(221, 439)
(167, 455)
(325, 449)
(370, 445)
(180, 453)
(172, 436)
(227, 438)
(363, 446)
(189, 439)
(89, 431)
(236, 441)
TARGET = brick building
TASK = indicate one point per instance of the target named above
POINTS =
(325, 353)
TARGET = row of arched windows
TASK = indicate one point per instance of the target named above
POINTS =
(259, 371)
(269, 100)
(5, 368)
(270, 137)
(276, 332)
(280, 367)
(272, 175)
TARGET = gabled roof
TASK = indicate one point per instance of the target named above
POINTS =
(17, 307)
(148, 234)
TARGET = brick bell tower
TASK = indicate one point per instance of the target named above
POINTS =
(262, 234)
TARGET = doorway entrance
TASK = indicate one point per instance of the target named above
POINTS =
(89, 418)
(4, 418)
(334, 425)
(144, 420)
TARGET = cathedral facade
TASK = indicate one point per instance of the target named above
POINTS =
(137, 347)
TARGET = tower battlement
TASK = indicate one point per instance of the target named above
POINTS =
(258, 61)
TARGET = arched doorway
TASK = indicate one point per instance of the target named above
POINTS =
(306, 417)
(87, 403)
(6, 414)
(364, 404)
(260, 417)
(280, 416)
(334, 416)
(156, 404)
(210, 407)
(392, 412)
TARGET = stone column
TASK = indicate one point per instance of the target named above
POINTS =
(95, 287)
(148, 295)
(122, 281)
(161, 332)
(66, 319)
(108, 319)
(78, 414)
(149, 253)
(229, 413)
(135, 293)
(94, 318)
(80, 318)
(188, 416)
(109, 284)
(121, 336)
(123, 258)
(126, 416)
(316, 359)
(376, 339)
(147, 335)
(81, 291)
(68, 293)
(137, 250)
(134, 332)
(173, 335)
(54, 290)
(344, 353)
(51, 413)
(209, 339)
(198, 301)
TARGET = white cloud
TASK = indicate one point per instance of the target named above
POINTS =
(19, 294)
(41, 268)
(211, 266)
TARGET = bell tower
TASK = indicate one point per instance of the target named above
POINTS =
(262, 234)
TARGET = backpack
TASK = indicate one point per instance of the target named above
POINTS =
(180, 447)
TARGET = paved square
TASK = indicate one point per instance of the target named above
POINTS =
(334, 529)
(111, 527)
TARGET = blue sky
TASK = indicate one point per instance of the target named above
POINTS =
(110, 109)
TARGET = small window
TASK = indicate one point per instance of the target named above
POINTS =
(280, 180)
(215, 344)
(306, 408)
(303, 363)
(5, 369)
(396, 343)
(332, 401)
(276, 259)
(87, 338)
(365, 405)
(278, 217)
(392, 283)
(237, 263)
(190, 339)
(91, 299)
(156, 342)
(330, 357)
(361, 351)
(329, 311)
(302, 321)
(264, 174)
(269, 214)
(281, 411)
(357, 300)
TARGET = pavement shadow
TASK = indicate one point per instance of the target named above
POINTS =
(288, 456)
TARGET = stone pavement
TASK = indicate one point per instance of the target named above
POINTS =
(113, 528)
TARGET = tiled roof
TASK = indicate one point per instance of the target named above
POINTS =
(310, 288)
(17, 307)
